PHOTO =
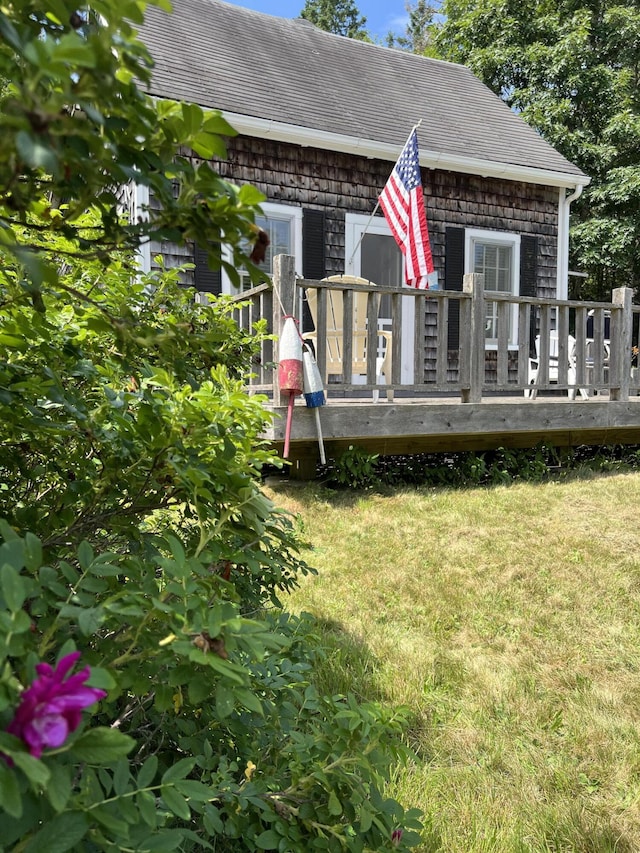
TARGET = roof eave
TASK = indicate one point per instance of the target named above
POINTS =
(305, 136)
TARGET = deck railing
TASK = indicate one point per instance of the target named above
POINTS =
(451, 352)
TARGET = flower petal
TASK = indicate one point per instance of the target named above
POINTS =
(65, 664)
(48, 731)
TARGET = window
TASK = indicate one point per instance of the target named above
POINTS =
(283, 224)
(495, 255)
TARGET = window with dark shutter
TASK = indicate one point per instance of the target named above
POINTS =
(205, 279)
(528, 265)
(453, 278)
(313, 254)
(529, 279)
(313, 243)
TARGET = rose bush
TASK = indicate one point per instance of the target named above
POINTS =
(133, 527)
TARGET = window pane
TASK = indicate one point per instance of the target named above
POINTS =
(381, 263)
(381, 260)
(495, 262)
(280, 243)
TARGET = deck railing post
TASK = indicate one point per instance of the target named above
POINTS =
(621, 335)
(473, 338)
(284, 302)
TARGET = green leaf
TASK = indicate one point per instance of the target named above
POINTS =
(121, 777)
(225, 700)
(108, 817)
(194, 790)
(85, 555)
(10, 798)
(12, 587)
(268, 840)
(148, 771)
(146, 803)
(249, 194)
(6, 530)
(175, 802)
(59, 789)
(102, 746)
(335, 807)
(101, 678)
(35, 770)
(60, 834)
(90, 619)
(73, 50)
(166, 841)
(199, 690)
(249, 700)
(179, 770)
(35, 154)
(32, 552)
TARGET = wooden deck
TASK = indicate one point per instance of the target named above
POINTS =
(413, 425)
(462, 398)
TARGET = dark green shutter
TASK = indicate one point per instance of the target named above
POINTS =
(529, 279)
(313, 254)
(313, 244)
(205, 279)
(528, 266)
(453, 276)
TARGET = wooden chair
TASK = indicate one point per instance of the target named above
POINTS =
(336, 332)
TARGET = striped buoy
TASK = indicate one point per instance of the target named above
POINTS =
(290, 370)
(314, 393)
(313, 390)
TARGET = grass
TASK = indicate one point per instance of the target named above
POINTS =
(507, 620)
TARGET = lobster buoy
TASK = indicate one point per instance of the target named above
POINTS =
(290, 370)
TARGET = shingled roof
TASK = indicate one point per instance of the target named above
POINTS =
(288, 80)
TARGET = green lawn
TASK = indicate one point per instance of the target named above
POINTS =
(507, 620)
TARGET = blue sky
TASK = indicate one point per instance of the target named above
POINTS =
(381, 15)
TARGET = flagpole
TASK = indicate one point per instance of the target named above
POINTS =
(366, 227)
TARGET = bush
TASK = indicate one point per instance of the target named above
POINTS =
(357, 469)
(152, 695)
(136, 533)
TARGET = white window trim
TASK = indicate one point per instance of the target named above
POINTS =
(498, 238)
(279, 211)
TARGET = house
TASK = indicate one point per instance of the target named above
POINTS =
(322, 119)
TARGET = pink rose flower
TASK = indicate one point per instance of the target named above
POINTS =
(51, 708)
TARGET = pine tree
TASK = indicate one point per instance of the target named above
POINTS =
(341, 17)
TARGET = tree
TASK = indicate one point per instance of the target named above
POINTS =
(418, 35)
(336, 16)
(136, 541)
(570, 69)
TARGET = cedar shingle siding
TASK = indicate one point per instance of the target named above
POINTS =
(334, 184)
(338, 183)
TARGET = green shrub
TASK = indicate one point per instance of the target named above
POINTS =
(357, 469)
(136, 543)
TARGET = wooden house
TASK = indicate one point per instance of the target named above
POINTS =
(321, 121)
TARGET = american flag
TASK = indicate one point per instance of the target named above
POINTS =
(402, 203)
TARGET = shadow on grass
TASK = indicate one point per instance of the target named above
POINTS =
(347, 665)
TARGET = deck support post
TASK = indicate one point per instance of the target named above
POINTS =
(621, 339)
(473, 284)
(284, 302)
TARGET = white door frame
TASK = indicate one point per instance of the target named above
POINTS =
(355, 225)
